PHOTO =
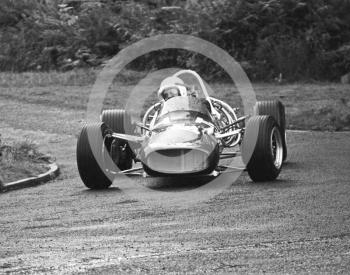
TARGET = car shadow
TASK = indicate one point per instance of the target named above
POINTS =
(111, 189)
(183, 183)
(179, 183)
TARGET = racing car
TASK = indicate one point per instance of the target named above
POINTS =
(185, 133)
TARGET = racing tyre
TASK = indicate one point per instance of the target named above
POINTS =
(276, 109)
(120, 122)
(89, 169)
(262, 148)
(117, 119)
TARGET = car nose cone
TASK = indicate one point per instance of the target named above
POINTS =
(179, 150)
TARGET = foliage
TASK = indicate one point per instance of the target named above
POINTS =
(294, 39)
(19, 160)
(19, 151)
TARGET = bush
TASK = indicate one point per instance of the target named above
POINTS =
(293, 38)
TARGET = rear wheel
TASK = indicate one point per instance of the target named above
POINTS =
(262, 148)
(89, 163)
(117, 119)
(276, 109)
(120, 122)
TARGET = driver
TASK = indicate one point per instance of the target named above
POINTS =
(171, 87)
(170, 92)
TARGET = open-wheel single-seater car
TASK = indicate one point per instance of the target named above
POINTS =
(185, 133)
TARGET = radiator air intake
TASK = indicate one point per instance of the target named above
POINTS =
(178, 161)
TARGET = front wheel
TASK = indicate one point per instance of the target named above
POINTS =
(90, 157)
(262, 148)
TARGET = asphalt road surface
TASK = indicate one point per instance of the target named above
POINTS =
(297, 224)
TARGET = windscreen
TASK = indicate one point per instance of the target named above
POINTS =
(183, 110)
(185, 103)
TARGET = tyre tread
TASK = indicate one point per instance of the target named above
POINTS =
(260, 165)
(89, 170)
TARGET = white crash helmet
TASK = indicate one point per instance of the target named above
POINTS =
(172, 82)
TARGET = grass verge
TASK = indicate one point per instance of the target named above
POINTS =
(20, 160)
(309, 106)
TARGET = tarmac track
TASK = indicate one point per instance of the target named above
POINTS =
(297, 224)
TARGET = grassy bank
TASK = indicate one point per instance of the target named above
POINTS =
(20, 160)
(309, 106)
